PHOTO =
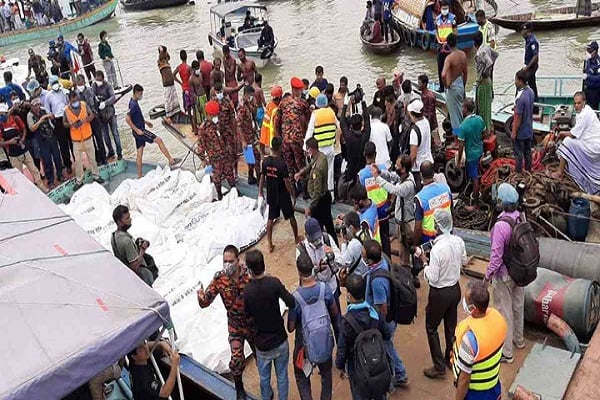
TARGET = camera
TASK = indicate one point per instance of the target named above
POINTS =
(328, 259)
(358, 94)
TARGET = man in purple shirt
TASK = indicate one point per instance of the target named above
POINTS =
(507, 296)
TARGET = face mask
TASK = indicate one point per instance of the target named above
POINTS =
(141, 97)
(468, 308)
(215, 119)
(219, 96)
(445, 11)
(229, 268)
(198, 72)
(80, 88)
(588, 56)
(317, 244)
(55, 87)
(75, 104)
(16, 102)
(99, 83)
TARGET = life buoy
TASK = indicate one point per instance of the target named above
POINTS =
(266, 53)
(425, 40)
(413, 38)
(210, 41)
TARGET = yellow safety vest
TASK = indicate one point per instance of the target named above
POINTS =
(484, 32)
(325, 127)
(490, 332)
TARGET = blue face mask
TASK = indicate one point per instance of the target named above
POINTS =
(75, 104)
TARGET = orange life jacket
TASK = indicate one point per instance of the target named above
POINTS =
(84, 132)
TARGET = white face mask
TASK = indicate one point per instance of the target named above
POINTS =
(81, 88)
(99, 83)
(468, 308)
(219, 96)
(141, 97)
(445, 11)
(588, 56)
(16, 102)
(55, 87)
(215, 119)
(198, 72)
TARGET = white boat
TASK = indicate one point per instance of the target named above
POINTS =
(226, 28)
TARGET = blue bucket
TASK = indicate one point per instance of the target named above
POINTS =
(578, 223)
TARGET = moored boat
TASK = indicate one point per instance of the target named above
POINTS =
(227, 28)
(140, 5)
(98, 14)
(382, 48)
(408, 16)
(550, 19)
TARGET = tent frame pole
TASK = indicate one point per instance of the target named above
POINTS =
(179, 384)
(160, 377)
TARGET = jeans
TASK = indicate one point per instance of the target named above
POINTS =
(399, 369)
(279, 356)
(63, 135)
(112, 123)
(51, 159)
(98, 141)
(523, 150)
(303, 381)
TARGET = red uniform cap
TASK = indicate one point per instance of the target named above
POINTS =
(296, 83)
(276, 91)
(212, 107)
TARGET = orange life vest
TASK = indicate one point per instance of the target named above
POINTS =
(84, 132)
(267, 131)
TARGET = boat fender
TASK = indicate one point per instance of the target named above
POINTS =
(157, 112)
(425, 40)
(266, 53)
(413, 38)
(210, 41)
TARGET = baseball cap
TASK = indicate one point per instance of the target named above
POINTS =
(314, 92)
(276, 91)
(296, 83)
(507, 194)
(415, 106)
(593, 46)
(212, 107)
(321, 101)
(312, 229)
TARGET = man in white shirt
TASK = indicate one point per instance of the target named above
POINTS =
(420, 139)
(381, 136)
(443, 274)
(349, 260)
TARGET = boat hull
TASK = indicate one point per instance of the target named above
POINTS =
(380, 49)
(256, 56)
(516, 21)
(98, 14)
(150, 4)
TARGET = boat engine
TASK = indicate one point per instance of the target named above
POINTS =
(563, 118)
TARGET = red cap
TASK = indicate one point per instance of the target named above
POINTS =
(212, 107)
(296, 83)
(276, 91)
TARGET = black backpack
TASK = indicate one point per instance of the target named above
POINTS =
(403, 295)
(372, 366)
(523, 255)
(404, 142)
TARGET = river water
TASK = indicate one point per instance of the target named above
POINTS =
(310, 33)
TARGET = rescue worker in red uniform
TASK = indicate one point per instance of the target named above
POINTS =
(292, 120)
(230, 283)
(213, 143)
(246, 127)
(228, 129)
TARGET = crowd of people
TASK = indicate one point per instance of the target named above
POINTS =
(19, 14)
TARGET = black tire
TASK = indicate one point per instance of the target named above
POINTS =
(455, 176)
(413, 38)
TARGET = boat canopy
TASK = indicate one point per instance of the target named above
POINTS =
(235, 7)
(68, 307)
(410, 11)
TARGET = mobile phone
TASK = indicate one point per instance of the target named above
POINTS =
(427, 246)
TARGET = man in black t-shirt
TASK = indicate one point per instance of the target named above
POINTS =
(280, 191)
(146, 385)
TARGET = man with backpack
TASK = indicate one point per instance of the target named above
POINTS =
(514, 258)
(419, 141)
(377, 195)
(362, 337)
(350, 259)
(442, 271)
(323, 252)
(312, 319)
(378, 294)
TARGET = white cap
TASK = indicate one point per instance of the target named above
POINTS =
(415, 106)
(3, 108)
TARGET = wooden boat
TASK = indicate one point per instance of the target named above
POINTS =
(407, 16)
(233, 15)
(101, 13)
(140, 5)
(551, 19)
(382, 48)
